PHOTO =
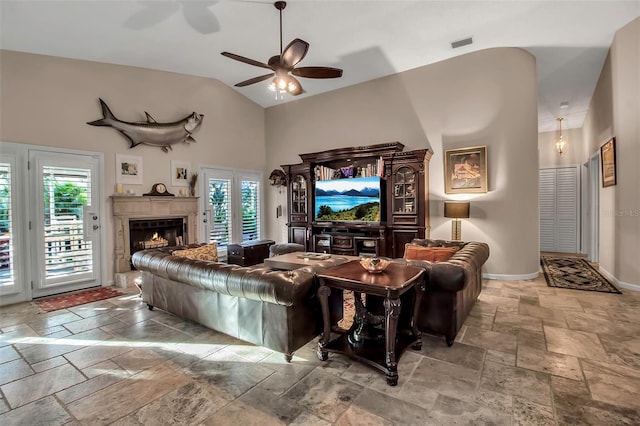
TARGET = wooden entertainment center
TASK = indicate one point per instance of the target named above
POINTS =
(404, 199)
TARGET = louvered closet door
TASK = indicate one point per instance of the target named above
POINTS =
(558, 200)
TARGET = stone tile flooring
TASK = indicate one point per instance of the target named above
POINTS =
(527, 355)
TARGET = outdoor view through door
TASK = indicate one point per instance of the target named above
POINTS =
(233, 207)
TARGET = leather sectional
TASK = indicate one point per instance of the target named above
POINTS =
(279, 309)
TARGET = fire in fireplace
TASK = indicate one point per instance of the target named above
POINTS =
(152, 233)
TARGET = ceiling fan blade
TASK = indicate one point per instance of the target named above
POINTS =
(254, 80)
(294, 53)
(298, 89)
(246, 60)
(317, 72)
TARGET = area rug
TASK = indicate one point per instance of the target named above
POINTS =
(574, 273)
(348, 310)
(75, 299)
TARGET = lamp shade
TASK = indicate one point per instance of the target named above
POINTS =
(456, 210)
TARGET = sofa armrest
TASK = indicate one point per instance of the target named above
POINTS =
(441, 276)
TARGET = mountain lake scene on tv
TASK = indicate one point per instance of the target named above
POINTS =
(356, 199)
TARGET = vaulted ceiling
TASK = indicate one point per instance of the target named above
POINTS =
(367, 39)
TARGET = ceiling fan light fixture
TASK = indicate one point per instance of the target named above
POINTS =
(283, 84)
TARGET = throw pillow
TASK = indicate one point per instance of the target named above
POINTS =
(432, 254)
(206, 252)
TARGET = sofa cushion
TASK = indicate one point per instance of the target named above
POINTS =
(432, 254)
(206, 252)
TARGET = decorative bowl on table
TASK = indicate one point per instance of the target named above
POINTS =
(375, 265)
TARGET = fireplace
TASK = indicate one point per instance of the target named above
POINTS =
(137, 218)
(153, 233)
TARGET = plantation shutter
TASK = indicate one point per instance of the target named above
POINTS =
(6, 226)
(220, 200)
(66, 192)
(250, 207)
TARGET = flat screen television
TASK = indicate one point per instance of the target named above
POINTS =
(348, 200)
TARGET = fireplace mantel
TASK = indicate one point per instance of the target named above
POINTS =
(141, 207)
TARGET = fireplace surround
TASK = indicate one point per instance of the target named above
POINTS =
(135, 208)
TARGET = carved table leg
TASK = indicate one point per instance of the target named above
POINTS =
(323, 295)
(391, 314)
(419, 289)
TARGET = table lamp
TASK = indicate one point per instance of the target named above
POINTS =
(457, 211)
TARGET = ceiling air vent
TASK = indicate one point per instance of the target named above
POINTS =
(461, 43)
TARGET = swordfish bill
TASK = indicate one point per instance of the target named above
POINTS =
(150, 132)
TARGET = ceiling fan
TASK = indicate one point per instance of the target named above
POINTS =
(284, 63)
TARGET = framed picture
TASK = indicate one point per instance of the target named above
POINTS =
(180, 173)
(608, 162)
(128, 169)
(465, 170)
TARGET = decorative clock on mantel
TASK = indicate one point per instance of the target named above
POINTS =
(159, 189)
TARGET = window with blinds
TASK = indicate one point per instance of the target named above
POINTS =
(66, 192)
(250, 208)
(6, 242)
(220, 201)
(234, 206)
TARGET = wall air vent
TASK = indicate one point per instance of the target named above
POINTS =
(460, 43)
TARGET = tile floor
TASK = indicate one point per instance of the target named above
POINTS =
(527, 355)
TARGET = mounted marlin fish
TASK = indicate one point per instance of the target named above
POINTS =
(151, 132)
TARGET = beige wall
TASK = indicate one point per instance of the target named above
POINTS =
(47, 100)
(573, 151)
(615, 111)
(483, 98)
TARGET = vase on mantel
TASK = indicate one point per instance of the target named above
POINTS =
(192, 184)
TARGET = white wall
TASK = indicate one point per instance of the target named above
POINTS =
(47, 100)
(483, 98)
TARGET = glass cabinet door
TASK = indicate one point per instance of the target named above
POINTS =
(299, 195)
(404, 191)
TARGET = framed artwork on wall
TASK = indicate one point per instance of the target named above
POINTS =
(465, 170)
(180, 173)
(608, 162)
(128, 169)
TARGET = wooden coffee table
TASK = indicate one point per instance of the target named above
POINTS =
(378, 340)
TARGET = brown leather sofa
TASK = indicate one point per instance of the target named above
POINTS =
(275, 309)
(451, 288)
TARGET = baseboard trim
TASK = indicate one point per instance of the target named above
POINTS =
(510, 277)
(617, 282)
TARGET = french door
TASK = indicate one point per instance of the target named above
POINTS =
(65, 222)
(232, 206)
(13, 287)
(50, 221)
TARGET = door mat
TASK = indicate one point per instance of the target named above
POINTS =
(574, 273)
(75, 299)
